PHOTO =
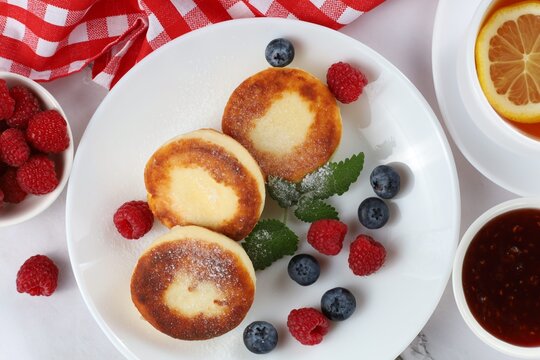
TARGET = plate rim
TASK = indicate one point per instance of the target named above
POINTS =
(440, 134)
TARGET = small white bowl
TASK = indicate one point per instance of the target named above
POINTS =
(476, 103)
(11, 214)
(459, 295)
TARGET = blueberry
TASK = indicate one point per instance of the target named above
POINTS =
(279, 52)
(260, 337)
(338, 304)
(304, 269)
(373, 213)
(385, 181)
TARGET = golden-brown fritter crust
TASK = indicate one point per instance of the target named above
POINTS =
(252, 99)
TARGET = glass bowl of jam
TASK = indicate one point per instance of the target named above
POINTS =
(496, 277)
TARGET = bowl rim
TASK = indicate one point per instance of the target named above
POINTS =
(487, 119)
(49, 102)
(459, 296)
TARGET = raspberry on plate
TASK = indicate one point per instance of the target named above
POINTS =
(345, 82)
(38, 175)
(307, 325)
(133, 219)
(47, 132)
(14, 151)
(12, 190)
(38, 276)
(327, 235)
(26, 105)
(366, 255)
(7, 104)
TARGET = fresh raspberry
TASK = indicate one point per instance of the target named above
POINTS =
(47, 132)
(326, 236)
(12, 191)
(345, 82)
(133, 219)
(366, 255)
(38, 175)
(307, 325)
(7, 103)
(37, 276)
(26, 105)
(14, 151)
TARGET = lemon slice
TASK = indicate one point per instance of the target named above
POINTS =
(508, 61)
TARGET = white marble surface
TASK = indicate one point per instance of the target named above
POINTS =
(60, 327)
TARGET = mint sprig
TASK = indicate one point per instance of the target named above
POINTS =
(333, 178)
(269, 241)
(310, 210)
(283, 191)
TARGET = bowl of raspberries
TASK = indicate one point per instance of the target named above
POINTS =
(36, 149)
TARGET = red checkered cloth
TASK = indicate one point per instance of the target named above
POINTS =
(47, 39)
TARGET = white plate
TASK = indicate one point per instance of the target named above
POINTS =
(516, 172)
(184, 86)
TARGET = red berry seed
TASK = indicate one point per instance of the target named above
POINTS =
(47, 132)
(345, 82)
(38, 175)
(366, 255)
(26, 105)
(14, 151)
(133, 219)
(326, 236)
(307, 325)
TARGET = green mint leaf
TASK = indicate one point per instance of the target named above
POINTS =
(332, 178)
(269, 241)
(310, 210)
(283, 191)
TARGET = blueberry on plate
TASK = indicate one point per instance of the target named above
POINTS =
(279, 52)
(385, 181)
(260, 337)
(304, 269)
(338, 304)
(373, 213)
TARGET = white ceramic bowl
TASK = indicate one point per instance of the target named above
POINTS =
(477, 105)
(11, 214)
(477, 329)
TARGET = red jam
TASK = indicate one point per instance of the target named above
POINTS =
(501, 277)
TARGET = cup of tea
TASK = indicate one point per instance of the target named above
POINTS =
(498, 73)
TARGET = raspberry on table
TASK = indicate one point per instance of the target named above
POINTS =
(14, 151)
(38, 175)
(47, 132)
(7, 103)
(366, 255)
(26, 105)
(133, 219)
(307, 325)
(327, 235)
(38, 276)
(10, 187)
(345, 82)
